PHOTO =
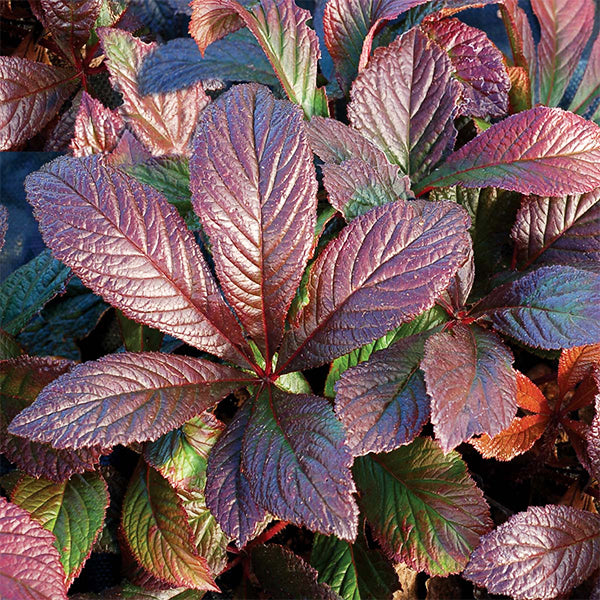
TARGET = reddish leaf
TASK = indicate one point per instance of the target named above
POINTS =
(472, 385)
(589, 87)
(519, 96)
(159, 279)
(565, 28)
(575, 364)
(31, 94)
(97, 128)
(255, 192)
(460, 287)
(3, 224)
(538, 554)
(530, 397)
(405, 102)
(385, 268)
(520, 35)
(123, 398)
(593, 437)
(544, 151)
(164, 123)
(30, 566)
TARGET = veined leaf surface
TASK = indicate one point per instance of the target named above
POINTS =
(575, 364)
(589, 87)
(519, 35)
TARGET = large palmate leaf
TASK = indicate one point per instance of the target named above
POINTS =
(31, 93)
(155, 527)
(227, 490)
(297, 464)
(405, 101)
(423, 507)
(540, 553)
(280, 27)
(558, 230)
(565, 28)
(544, 151)
(575, 364)
(254, 190)
(29, 563)
(471, 382)
(73, 511)
(164, 123)
(123, 398)
(384, 268)
(163, 282)
(550, 308)
(382, 403)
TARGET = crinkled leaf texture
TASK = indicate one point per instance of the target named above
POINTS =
(472, 385)
(575, 364)
(544, 151)
(541, 553)
(128, 244)
(123, 398)
(405, 101)
(30, 566)
(31, 93)
(297, 464)
(551, 308)
(423, 507)
(73, 511)
(255, 192)
(384, 268)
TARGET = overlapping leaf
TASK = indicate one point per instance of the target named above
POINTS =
(520, 36)
(544, 151)
(423, 507)
(384, 268)
(541, 553)
(405, 102)
(589, 88)
(123, 398)
(254, 190)
(297, 464)
(9, 348)
(575, 364)
(163, 283)
(29, 563)
(73, 511)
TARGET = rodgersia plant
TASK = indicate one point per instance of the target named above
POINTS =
(462, 225)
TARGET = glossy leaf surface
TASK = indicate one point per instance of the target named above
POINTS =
(423, 507)
(123, 398)
(541, 553)
(544, 151)
(575, 364)
(297, 464)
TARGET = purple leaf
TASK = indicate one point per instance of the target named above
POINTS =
(541, 553)
(382, 403)
(31, 93)
(3, 224)
(255, 192)
(164, 123)
(544, 151)
(589, 87)
(460, 287)
(405, 102)
(519, 35)
(472, 385)
(123, 398)
(551, 308)
(227, 491)
(558, 230)
(565, 28)
(593, 437)
(97, 220)
(297, 464)
(384, 268)
(478, 65)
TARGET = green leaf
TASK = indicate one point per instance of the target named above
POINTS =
(9, 348)
(138, 337)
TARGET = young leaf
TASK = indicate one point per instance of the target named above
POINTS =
(382, 403)
(544, 151)
(541, 553)
(297, 464)
(423, 507)
(255, 192)
(164, 123)
(519, 35)
(405, 102)
(384, 268)
(565, 28)
(31, 93)
(164, 281)
(73, 511)
(29, 563)
(157, 533)
(550, 308)
(472, 385)
(575, 364)
(123, 398)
